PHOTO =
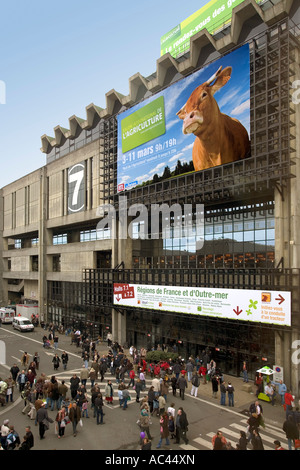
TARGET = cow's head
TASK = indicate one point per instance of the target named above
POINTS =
(201, 107)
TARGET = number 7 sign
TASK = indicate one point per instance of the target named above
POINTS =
(76, 188)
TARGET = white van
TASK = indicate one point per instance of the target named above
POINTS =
(22, 324)
(7, 315)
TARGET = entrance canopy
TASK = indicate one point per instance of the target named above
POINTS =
(266, 370)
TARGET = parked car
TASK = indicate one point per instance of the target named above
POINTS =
(22, 324)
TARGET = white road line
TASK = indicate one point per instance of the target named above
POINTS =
(15, 403)
(271, 429)
(187, 447)
(203, 442)
(224, 431)
(262, 435)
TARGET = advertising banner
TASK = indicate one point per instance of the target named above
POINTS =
(258, 306)
(214, 16)
(166, 135)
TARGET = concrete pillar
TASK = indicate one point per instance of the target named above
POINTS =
(4, 300)
(42, 299)
(118, 327)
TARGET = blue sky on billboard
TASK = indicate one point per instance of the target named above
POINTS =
(58, 57)
(233, 99)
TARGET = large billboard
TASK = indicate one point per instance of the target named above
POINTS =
(272, 307)
(214, 16)
(201, 121)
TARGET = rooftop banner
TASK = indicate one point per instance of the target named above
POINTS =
(213, 16)
(273, 307)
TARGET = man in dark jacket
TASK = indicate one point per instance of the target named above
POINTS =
(75, 416)
(99, 408)
(291, 430)
(42, 418)
(14, 372)
(182, 385)
(74, 381)
(181, 426)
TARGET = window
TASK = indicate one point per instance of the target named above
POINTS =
(60, 239)
(34, 242)
(34, 263)
(56, 263)
(95, 234)
(18, 243)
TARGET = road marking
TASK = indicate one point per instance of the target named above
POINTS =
(15, 403)
(203, 442)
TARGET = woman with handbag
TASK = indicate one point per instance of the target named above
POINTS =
(61, 423)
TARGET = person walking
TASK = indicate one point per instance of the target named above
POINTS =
(230, 391)
(56, 362)
(181, 426)
(43, 420)
(109, 392)
(164, 429)
(189, 369)
(4, 431)
(75, 417)
(182, 385)
(138, 388)
(282, 389)
(99, 408)
(84, 375)
(291, 431)
(218, 441)
(30, 437)
(215, 386)
(74, 381)
(245, 372)
(25, 360)
(145, 423)
(14, 370)
(64, 359)
(223, 393)
(288, 402)
(256, 441)
(61, 423)
(195, 384)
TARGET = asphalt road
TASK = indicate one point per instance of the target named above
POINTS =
(120, 431)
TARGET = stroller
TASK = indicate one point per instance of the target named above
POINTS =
(47, 344)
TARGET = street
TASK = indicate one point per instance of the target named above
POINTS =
(120, 431)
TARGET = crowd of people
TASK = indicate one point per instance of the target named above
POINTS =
(82, 398)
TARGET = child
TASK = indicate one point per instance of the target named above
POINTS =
(171, 426)
(84, 408)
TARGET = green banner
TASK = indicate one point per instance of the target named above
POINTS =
(143, 125)
(213, 16)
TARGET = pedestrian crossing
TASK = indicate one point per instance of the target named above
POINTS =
(232, 434)
(67, 374)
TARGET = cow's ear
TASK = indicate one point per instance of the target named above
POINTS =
(181, 113)
(222, 78)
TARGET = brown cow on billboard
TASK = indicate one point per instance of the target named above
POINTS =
(219, 138)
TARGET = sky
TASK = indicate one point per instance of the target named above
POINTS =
(58, 57)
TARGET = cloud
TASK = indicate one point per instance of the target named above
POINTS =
(241, 108)
(158, 167)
